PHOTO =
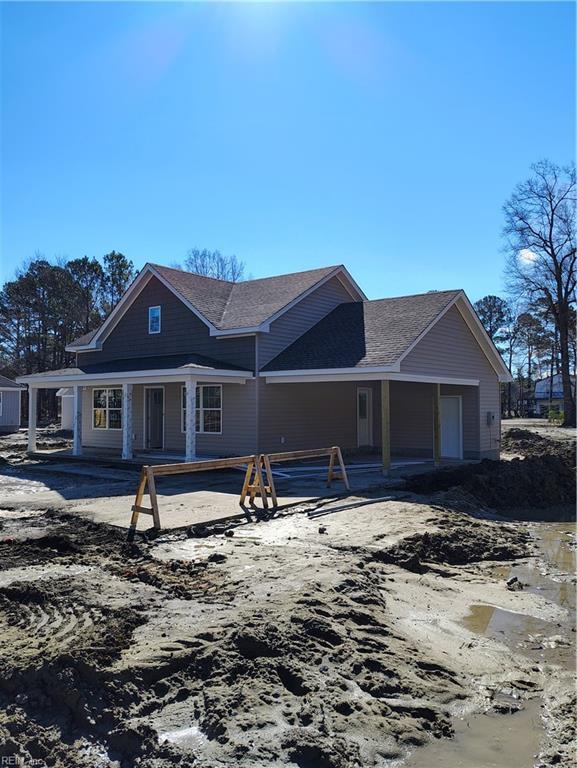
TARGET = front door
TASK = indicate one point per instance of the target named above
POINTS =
(451, 428)
(364, 416)
(154, 418)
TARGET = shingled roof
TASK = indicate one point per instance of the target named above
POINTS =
(6, 383)
(364, 333)
(190, 362)
(241, 305)
(228, 306)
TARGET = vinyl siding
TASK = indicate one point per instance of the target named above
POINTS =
(97, 438)
(238, 423)
(450, 349)
(323, 414)
(10, 415)
(307, 416)
(300, 318)
(181, 332)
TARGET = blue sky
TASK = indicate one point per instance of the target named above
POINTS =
(384, 136)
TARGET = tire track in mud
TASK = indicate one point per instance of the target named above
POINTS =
(314, 675)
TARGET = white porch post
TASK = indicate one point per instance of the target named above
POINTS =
(32, 414)
(77, 422)
(190, 423)
(127, 421)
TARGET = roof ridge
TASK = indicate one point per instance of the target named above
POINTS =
(415, 295)
(188, 272)
(252, 280)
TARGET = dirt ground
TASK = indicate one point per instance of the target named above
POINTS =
(423, 629)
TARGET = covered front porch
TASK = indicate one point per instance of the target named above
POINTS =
(131, 415)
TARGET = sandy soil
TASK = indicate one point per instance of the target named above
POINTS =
(359, 634)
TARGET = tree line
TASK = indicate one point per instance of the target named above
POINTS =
(534, 326)
(49, 304)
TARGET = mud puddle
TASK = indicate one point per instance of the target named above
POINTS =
(518, 739)
(487, 741)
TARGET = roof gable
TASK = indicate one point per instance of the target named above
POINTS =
(226, 308)
(364, 334)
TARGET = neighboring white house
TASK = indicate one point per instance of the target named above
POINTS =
(10, 401)
(549, 393)
(66, 395)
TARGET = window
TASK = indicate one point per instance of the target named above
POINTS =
(208, 409)
(107, 408)
(153, 319)
(1, 403)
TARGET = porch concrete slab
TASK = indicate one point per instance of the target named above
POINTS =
(103, 494)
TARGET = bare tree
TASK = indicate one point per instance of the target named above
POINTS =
(215, 264)
(540, 233)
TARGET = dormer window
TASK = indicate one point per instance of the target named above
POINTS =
(153, 319)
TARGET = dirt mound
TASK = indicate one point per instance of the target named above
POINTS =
(531, 444)
(461, 543)
(532, 482)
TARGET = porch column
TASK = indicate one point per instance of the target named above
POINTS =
(437, 424)
(127, 421)
(32, 414)
(190, 423)
(77, 421)
(386, 425)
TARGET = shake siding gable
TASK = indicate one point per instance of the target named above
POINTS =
(450, 349)
(181, 332)
(301, 318)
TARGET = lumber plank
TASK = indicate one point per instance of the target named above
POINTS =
(153, 497)
(270, 480)
(314, 453)
(143, 510)
(344, 477)
(199, 466)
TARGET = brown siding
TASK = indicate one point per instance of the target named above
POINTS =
(97, 438)
(322, 414)
(181, 332)
(301, 318)
(238, 424)
(308, 416)
(450, 349)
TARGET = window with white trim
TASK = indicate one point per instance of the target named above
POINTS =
(107, 408)
(208, 409)
(153, 319)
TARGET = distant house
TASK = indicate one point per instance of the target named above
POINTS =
(190, 366)
(10, 403)
(65, 396)
(549, 394)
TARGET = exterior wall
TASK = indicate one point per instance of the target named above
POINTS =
(10, 415)
(450, 349)
(323, 414)
(470, 416)
(307, 416)
(238, 423)
(301, 318)
(181, 332)
(97, 438)
(411, 406)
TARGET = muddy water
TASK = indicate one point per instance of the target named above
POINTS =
(514, 740)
